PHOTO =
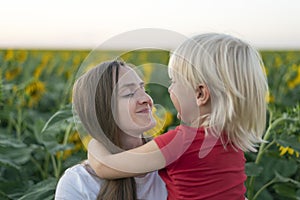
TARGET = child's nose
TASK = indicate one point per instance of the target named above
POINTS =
(169, 88)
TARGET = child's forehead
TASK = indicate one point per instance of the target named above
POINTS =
(174, 72)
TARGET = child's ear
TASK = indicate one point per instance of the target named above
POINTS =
(202, 95)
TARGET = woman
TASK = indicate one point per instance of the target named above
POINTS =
(123, 113)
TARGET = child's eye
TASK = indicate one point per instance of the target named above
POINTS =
(171, 81)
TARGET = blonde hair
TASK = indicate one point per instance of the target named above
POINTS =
(233, 72)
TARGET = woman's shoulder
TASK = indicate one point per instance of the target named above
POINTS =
(81, 172)
(78, 169)
(151, 186)
(77, 181)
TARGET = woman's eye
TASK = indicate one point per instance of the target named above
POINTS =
(129, 95)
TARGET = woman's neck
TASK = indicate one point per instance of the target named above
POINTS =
(130, 142)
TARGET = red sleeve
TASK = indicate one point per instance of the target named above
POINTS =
(175, 142)
(164, 139)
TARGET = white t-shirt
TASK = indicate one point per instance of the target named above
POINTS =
(77, 183)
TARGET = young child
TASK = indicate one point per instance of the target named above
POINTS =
(218, 88)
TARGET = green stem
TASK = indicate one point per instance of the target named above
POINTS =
(19, 124)
(262, 149)
(263, 187)
(266, 138)
(66, 92)
(38, 166)
(270, 117)
(12, 123)
(46, 164)
(67, 134)
(269, 145)
(56, 174)
(65, 141)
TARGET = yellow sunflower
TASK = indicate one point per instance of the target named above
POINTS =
(13, 73)
(35, 90)
(9, 55)
(296, 81)
(283, 150)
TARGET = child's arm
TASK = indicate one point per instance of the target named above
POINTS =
(140, 160)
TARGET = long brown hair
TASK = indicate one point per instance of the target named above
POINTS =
(94, 92)
(124, 188)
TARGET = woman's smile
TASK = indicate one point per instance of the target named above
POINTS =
(146, 110)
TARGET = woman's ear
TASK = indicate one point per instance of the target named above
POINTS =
(202, 95)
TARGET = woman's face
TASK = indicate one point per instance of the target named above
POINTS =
(134, 114)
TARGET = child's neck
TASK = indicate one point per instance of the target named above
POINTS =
(197, 123)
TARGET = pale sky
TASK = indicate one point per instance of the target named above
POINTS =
(75, 24)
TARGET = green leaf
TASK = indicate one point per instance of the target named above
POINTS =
(286, 180)
(298, 194)
(1, 89)
(253, 169)
(285, 190)
(16, 155)
(60, 115)
(13, 187)
(289, 141)
(9, 163)
(7, 141)
(52, 146)
(287, 167)
(43, 190)
(3, 196)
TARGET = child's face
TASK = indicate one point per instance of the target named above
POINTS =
(134, 104)
(183, 97)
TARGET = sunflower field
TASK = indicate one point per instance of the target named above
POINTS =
(38, 138)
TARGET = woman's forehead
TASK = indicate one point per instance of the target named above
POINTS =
(128, 75)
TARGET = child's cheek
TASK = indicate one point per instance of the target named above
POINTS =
(175, 101)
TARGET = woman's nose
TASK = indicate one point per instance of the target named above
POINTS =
(143, 97)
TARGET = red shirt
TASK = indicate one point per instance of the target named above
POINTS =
(199, 168)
